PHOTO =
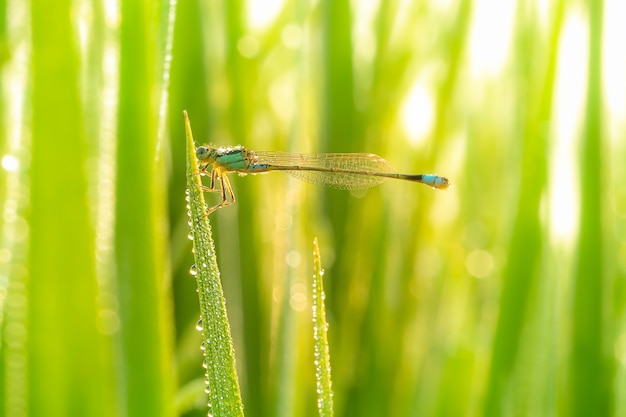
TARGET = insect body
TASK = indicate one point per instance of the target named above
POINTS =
(348, 171)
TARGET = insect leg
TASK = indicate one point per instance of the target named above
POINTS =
(228, 197)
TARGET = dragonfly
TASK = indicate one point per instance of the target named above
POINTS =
(347, 171)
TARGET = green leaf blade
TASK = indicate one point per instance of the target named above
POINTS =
(320, 336)
(221, 375)
(52, 299)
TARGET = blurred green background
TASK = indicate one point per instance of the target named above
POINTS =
(502, 296)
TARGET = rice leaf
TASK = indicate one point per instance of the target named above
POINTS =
(217, 344)
(320, 347)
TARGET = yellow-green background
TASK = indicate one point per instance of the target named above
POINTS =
(501, 296)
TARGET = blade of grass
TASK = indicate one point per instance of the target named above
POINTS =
(241, 75)
(320, 336)
(13, 240)
(588, 360)
(63, 370)
(146, 375)
(522, 271)
(217, 343)
(190, 396)
(340, 130)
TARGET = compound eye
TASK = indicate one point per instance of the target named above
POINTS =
(202, 152)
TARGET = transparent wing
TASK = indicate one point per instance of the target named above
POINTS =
(321, 168)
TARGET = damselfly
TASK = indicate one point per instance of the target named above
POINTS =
(347, 171)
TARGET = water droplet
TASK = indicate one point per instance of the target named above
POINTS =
(202, 346)
(199, 325)
(190, 235)
(187, 191)
(193, 270)
(189, 223)
(205, 364)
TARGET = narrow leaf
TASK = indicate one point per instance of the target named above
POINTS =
(320, 348)
(217, 344)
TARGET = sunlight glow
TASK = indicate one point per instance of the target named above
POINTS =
(479, 263)
(490, 36)
(291, 36)
(418, 113)
(111, 12)
(248, 46)
(544, 8)
(570, 95)
(363, 24)
(262, 12)
(84, 20)
(10, 163)
(282, 97)
(443, 4)
(293, 258)
(298, 297)
(614, 56)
